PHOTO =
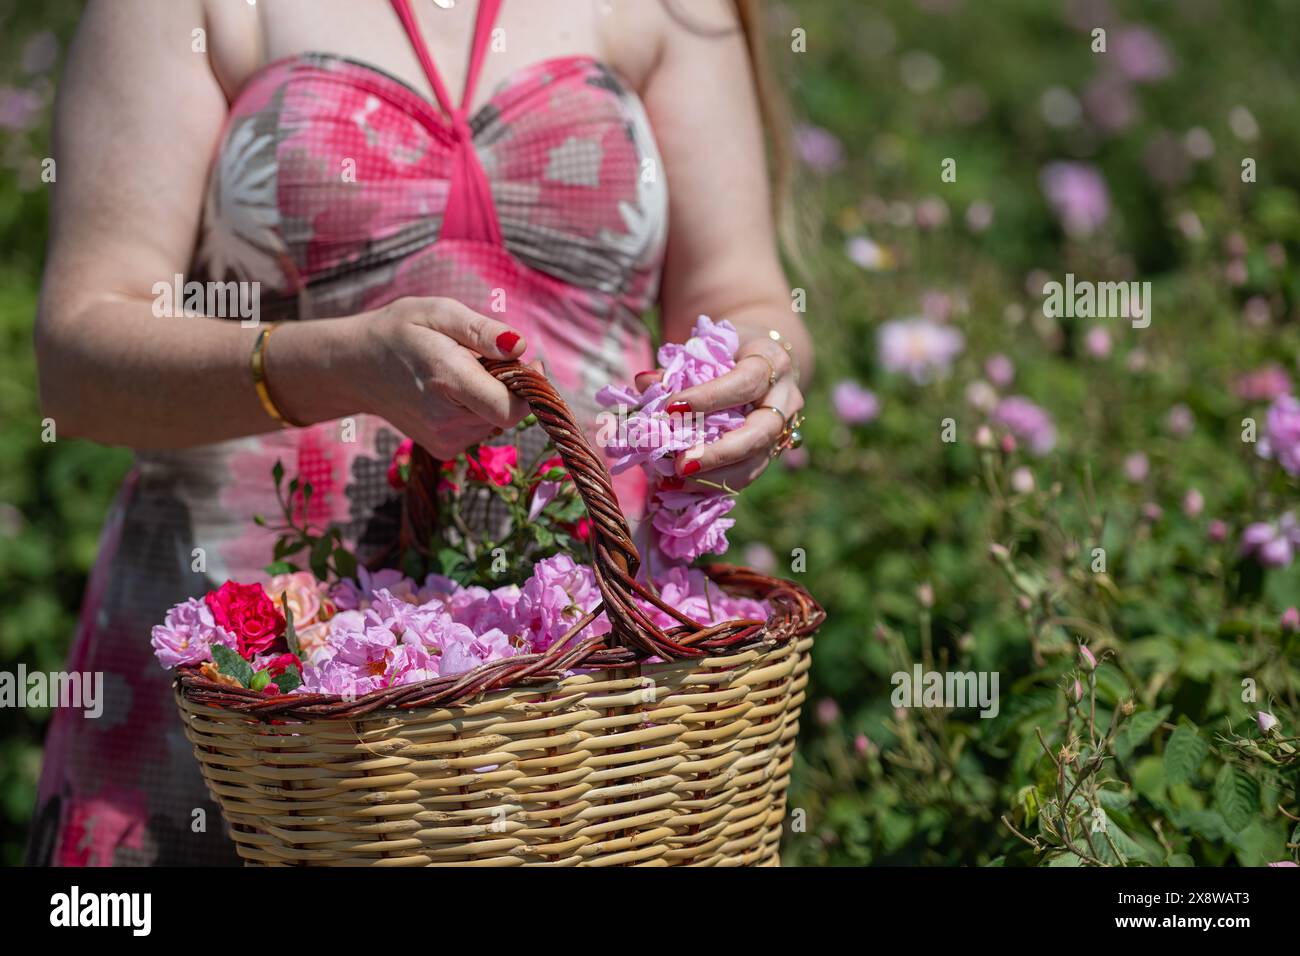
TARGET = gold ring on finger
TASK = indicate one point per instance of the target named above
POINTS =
(793, 430)
(771, 369)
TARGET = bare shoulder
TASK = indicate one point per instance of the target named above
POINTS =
(644, 35)
(632, 35)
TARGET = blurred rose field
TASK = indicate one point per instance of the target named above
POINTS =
(1048, 250)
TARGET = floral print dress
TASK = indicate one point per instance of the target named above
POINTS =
(339, 188)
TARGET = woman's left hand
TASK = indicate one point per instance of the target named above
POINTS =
(763, 376)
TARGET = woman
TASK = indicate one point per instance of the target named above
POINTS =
(599, 157)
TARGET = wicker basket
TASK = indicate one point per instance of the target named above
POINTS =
(684, 761)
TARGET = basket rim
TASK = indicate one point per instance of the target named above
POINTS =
(795, 613)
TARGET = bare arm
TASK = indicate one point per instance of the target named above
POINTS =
(138, 118)
(722, 258)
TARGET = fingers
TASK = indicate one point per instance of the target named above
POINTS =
(749, 381)
(478, 333)
(762, 428)
(465, 383)
(760, 431)
(644, 380)
(735, 476)
(446, 430)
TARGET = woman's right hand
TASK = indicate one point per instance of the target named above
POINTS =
(414, 363)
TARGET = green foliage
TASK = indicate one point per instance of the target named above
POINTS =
(53, 495)
(1179, 620)
(1157, 760)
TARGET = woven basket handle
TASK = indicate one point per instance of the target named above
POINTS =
(615, 560)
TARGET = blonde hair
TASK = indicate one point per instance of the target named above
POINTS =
(772, 105)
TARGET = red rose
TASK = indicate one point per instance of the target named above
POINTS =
(400, 467)
(246, 611)
(494, 463)
(555, 461)
(278, 665)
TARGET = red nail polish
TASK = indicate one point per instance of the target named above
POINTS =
(679, 408)
(671, 483)
(691, 467)
(507, 341)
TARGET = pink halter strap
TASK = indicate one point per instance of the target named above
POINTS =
(470, 213)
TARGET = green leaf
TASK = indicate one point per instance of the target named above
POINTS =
(1150, 779)
(1236, 797)
(277, 472)
(1136, 731)
(1127, 848)
(286, 546)
(345, 563)
(320, 556)
(412, 564)
(1184, 753)
(1114, 799)
(231, 664)
(1065, 859)
(289, 680)
(290, 632)
(567, 509)
(280, 567)
(449, 559)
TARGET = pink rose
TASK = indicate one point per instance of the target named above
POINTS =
(303, 592)
(314, 638)
(247, 612)
(494, 463)
(690, 525)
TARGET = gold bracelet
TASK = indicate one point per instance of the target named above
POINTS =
(786, 344)
(258, 363)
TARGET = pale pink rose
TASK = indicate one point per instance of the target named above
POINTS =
(314, 638)
(303, 592)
